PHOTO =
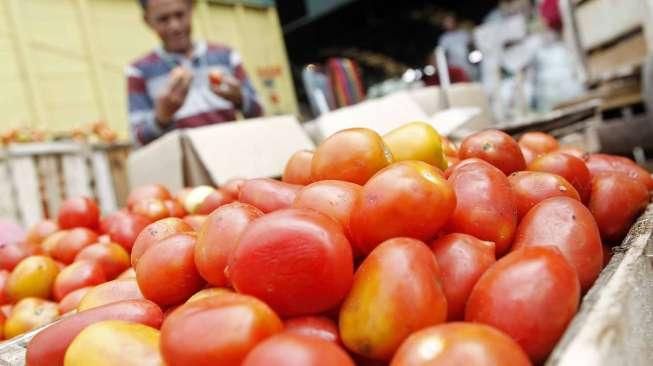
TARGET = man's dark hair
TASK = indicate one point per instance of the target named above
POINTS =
(143, 3)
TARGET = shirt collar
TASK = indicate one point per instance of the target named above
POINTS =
(199, 50)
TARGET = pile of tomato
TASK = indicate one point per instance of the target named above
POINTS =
(401, 249)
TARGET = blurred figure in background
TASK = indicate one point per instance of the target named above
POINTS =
(456, 42)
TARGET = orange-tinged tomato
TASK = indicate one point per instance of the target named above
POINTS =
(268, 194)
(175, 209)
(72, 299)
(110, 292)
(79, 212)
(4, 277)
(33, 277)
(396, 292)
(209, 292)
(416, 141)
(41, 230)
(48, 245)
(295, 350)
(548, 291)
(460, 343)
(218, 237)
(230, 325)
(28, 314)
(112, 257)
(529, 155)
(115, 342)
(123, 227)
(156, 191)
(315, 327)
(214, 200)
(80, 274)
(195, 221)
(232, 187)
(298, 168)
(573, 169)
(215, 77)
(531, 188)
(151, 208)
(539, 142)
(11, 254)
(604, 163)
(72, 243)
(154, 232)
(194, 198)
(353, 155)
(409, 198)
(495, 147)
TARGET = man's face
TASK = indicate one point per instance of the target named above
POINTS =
(171, 20)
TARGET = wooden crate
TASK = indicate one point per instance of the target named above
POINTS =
(35, 178)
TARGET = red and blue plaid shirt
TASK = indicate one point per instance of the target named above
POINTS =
(148, 77)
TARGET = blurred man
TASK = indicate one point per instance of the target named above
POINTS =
(184, 83)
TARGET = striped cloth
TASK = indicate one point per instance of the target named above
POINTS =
(148, 77)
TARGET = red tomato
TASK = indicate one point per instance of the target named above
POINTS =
(72, 243)
(495, 147)
(331, 197)
(151, 208)
(232, 187)
(409, 198)
(147, 191)
(529, 155)
(314, 326)
(41, 230)
(485, 207)
(218, 238)
(79, 212)
(230, 325)
(616, 201)
(110, 292)
(4, 276)
(539, 142)
(567, 224)
(531, 188)
(214, 200)
(298, 168)
(11, 255)
(113, 258)
(302, 258)
(574, 151)
(573, 169)
(603, 163)
(175, 209)
(123, 227)
(353, 155)
(548, 293)
(215, 77)
(294, 350)
(462, 259)
(460, 343)
(80, 274)
(268, 194)
(72, 299)
(166, 272)
(154, 232)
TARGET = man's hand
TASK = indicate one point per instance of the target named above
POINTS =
(228, 88)
(169, 102)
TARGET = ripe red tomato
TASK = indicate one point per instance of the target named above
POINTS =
(528, 153)
(113, 258)
(214, 200)
(603, 163)
(110, 292)
(80, 274)
(485, 208)
(462, 259)
(539, 142)
(11, 255)
(72, 299)
(155, 232)
(548, 291)
(123, 227)
(315, 327)
(495, 147)
(166, 272)
(215, 77)
(232, 187)
(156, 191)
(218, 237)
(151, 208)
(531, 188)
(353, 155)
(616, 201)
(409, 198)
(396, 292)
(573, 169)
(231, 325)
(298, 168)
(567, 224)
(79, 212)
(72, 243)
(460, 343)
(268, 194)
(303, 262)
(294, 350)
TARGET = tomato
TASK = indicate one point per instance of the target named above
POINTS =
(451, 161)
(303, 262)
(209, 292)
(72, 243)
(148, 191)
(313, 326)
(495, 147)
(166, 272)
(11, 254)
(298, 168)
(449, 148)
(215, 77)
(218, 238)
(232, 187)
(72, 299)
(396, 292)
(2, 326)
(151, 208)
(603, 163)
(154, 232)
(80, 274)
(567, 224)
(28, 314)
(416, 141)
(548, 293)
(123, 228)
(460, 344)
(331, 197)
(615, 203)
(110, 292)
(214, 200)
(6, 310)
(33, 277)
(294, 350)
(79, 212)
(41, 230)
(175, 209)
(486, 206)
(574, 151)
(539, 142)
(48, 245)
(4, 277)
(230, 325)
(195, 221)
(409, 198)
(194, 198)
(353, 155)
(462, 260)
(268, 194)
(531, 188)
(573, 169)
(113, 258)
(115, 342)
(529, 155)
(49, 346)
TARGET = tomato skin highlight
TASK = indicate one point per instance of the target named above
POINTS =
(268, 194)
(531, 188)
(604, 163)
(569, 167)
(539, 142)
(314, 326)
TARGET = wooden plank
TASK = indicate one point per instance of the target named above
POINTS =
(602, 21)
(103, 181)
(7, 197)
(51, 179)
(627, 54)
(44, 148)
(76, 177)
(118, 167)
(26, 184)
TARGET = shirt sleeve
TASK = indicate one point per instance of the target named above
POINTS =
(251, 106)
(142, 123)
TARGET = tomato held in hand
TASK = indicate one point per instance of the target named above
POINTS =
(154, 232)
(72, 243)
(396, 292)
(148, 191)
(79, 212)
(409, 198)
(80, 274)
(298, 168)
(573, 169)
(268, 194)
(113, 258)
(548, 291)
(313, 326)
(495, 147)
(294, 350)
(416, 141)
(123, 228)
(110, 292)
(539, 142)
(531, 188)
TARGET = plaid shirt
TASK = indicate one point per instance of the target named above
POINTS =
(148, 77)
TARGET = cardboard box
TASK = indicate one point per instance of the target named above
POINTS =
(252, 148)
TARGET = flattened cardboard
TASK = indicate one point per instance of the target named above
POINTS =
(161, 161)
(428, 98)
(470, 95)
